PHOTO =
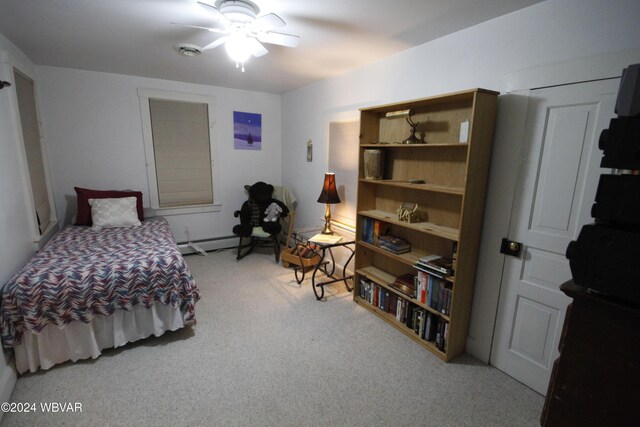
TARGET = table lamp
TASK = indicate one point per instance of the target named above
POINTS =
(329, 196)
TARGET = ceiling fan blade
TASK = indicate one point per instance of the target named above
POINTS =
(268, 21)
(281, 39)
(213, 30)
(217, 15)
(257, 49)
(216, 43)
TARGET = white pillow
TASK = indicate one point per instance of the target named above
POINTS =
(110, 213)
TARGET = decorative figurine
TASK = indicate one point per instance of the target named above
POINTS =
(413, 139)
(408, 212)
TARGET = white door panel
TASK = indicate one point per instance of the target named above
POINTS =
(533, 323)
(543, 268)
(556, 188)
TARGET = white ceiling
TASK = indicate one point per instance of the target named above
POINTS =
(136, 37)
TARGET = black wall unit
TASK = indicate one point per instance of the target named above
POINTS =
(618, 201)
(621, 144)
(596, 379)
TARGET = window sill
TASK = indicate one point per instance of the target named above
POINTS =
(186, 210)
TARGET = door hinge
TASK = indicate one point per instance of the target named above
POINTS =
(509, 247)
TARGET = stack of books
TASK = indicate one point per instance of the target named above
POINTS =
(393, 244)
(435, 265)
(405, 284)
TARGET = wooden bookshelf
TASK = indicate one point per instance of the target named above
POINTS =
(450, 192)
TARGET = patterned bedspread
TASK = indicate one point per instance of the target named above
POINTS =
(82, 273)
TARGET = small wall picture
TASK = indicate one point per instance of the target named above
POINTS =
(247, 131)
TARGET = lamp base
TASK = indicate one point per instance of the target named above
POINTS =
(327, 220)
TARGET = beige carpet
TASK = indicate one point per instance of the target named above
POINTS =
(265, 352)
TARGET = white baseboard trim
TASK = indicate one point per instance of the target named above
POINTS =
(209, 244)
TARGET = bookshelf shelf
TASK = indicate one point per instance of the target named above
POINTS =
(450, 205)
(409, 258)
(456, 145)
(424, 227)
(402, 328)
(376, 274)
(425, 187)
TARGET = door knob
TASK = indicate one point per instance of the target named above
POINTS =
(509, 247)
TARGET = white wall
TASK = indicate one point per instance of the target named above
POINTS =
(485, 56)
(92, 122)
(15, 226)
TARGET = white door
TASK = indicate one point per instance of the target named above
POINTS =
(558, 178)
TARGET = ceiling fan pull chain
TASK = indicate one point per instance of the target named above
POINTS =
(238, 65)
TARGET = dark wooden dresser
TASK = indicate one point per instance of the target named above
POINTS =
(596, 379)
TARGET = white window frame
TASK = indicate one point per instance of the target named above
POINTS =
(145, 95)
(11, 65)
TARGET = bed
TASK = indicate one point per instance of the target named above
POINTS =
(89, 289)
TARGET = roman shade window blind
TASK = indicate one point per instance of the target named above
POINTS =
(182, 152)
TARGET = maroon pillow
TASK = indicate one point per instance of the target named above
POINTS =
(83, 216)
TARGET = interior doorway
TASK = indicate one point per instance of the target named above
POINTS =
(555, 188)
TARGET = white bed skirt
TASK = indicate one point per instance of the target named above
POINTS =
(79, 340)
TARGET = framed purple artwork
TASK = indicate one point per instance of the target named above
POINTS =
(247, 131)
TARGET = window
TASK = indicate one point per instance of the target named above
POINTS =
(179, 150)
(44, 215)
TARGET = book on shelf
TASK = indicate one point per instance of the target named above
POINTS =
(394, 244)
(439, 295)
(430, 327)
(436, 265)
(395, 251)
(418, 320)
(366, 231)
(400, 309)
(410, 315)
(429, 271)
(405, 284)
(372, 229)
(442, 335)
(421, 293)
(393, 241)
(380, 228)
(454, 257)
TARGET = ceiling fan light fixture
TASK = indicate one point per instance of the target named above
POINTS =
(239, 11)
(238, 47)
(243, 30)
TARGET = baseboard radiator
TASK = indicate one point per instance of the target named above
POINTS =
(208, 244)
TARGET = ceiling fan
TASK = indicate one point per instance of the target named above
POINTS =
(243, 31)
